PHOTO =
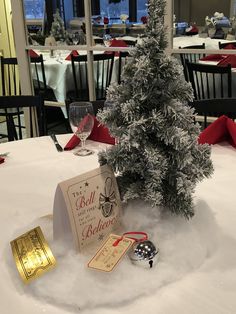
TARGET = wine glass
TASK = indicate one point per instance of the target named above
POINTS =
(107, 40)
(81, 121)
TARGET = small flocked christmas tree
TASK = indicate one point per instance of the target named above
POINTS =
(58, 28)
(158, 157)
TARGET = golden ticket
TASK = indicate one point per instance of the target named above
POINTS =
(110, 253)
(32, 254)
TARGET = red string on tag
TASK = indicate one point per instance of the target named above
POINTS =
(126, 234)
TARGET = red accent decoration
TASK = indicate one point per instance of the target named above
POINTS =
(125, 235)
(230, 46)
(100, 133)
(216, 58)
(230, 59)
(144, 19)
(193, 30)
(106, 20)
(2, 160)
(144, 234)
(74, 53)
(32, 53)
(116, 43)
(223, 60)
(223, 129)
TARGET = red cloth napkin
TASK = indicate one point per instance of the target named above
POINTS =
(100, 133)
(74, 53)
(144, 19)
(216, 58)
(192, 29)
(229, 46)
(32, 53)
(106, 20)
(2, 160)
(230, 59)
(222, 129)
(117, 43)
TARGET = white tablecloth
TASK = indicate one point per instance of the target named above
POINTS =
(184, 41)
(59, 76)
(29, 178)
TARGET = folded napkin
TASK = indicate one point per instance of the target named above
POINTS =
(74, 53)
(191, 30)
(100, 133)
(222, 129)
(2, 160)
(32, 53)
(230, 46)
(216, 58)
(230, 59)
(106, 20)
(116, 43)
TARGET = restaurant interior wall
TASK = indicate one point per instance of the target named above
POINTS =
(197, 10)
(7, 46)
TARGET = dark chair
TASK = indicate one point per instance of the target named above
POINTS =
(191, 57)
(123, 57)
(53, 113)
(39, 81)
(210, 81)
(34, 116)
(10, 85)
(130, 43)
(97, 104)
(214, 108)
(103, 66)
(98, 41)
(10, 77)
(223, 45)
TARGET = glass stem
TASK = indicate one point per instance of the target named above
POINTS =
(83, 144)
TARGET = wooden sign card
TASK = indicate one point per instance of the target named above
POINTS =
(88, 206)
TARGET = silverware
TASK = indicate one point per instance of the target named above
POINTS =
(58, 146)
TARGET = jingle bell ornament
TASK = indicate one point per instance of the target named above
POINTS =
(144, 253)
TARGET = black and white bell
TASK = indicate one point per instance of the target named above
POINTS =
(144, 253)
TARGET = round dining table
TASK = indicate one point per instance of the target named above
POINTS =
(29, 177)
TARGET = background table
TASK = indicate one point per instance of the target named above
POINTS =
(28, 181)
(58, 72)
(183, 41)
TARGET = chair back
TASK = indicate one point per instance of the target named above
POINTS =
(53, 113)
(123, 57)
(130, 43)
(10, 83)
(210, 81)
(38, 71)
(33, 117)
(214, 108)
(103, 66)
(223, 45)
(191, 57)
(39, 81)
(98, 41)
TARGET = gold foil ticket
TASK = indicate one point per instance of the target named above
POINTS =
(110, 253)
(32, 255)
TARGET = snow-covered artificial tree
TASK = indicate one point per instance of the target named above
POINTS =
(158, 158)
(58, 30)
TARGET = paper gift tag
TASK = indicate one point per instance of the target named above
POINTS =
(109, 255)
(32, 255)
